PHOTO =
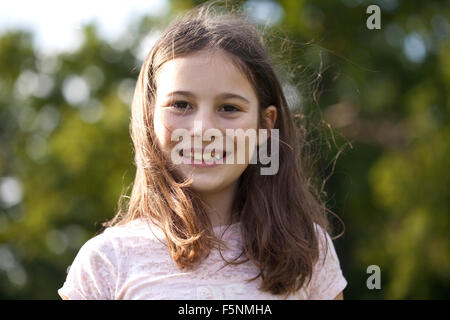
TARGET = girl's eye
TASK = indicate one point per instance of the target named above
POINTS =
(228, 108)
(180, 105)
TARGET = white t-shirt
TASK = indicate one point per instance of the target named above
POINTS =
(130, 262)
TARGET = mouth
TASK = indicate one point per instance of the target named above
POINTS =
(202, 155)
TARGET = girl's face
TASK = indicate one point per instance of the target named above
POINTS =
(215, 93)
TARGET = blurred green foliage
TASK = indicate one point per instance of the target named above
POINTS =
(66, 155)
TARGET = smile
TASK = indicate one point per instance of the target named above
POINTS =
(201, 158)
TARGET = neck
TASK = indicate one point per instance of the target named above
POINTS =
(219, 205)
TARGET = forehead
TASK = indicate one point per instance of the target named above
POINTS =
(204, 72)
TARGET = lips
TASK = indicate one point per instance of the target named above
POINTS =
(201, 154)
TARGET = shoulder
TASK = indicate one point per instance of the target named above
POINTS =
(101, 252)
(325, 242)
(131, 243)
(95, 270)
(327, 280)
(105, 244)
(132, 233)
(101, 243)
(327, 252)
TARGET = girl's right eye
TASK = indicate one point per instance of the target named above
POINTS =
(180, 105)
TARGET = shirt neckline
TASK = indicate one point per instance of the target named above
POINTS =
(226, 225)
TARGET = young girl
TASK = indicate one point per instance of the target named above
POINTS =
(203, 229)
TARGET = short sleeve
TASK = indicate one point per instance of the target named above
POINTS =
(327, 280)
(93, 273)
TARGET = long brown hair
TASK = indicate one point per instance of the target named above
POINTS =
(277, 213)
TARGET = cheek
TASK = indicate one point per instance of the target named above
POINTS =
(164, 123)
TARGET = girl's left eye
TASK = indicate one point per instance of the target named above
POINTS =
(228, 108)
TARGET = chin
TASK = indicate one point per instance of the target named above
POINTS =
(208, 184)
(211, 182)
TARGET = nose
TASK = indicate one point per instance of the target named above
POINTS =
(205, 118)
(206, 126)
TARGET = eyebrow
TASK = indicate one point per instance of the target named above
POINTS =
(225, 95)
